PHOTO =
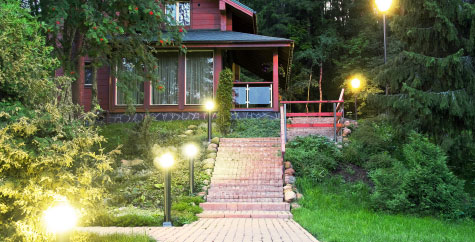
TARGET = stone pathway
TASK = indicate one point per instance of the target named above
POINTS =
(244, 202)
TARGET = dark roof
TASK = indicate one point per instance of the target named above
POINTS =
(242, 5)
(228, 36)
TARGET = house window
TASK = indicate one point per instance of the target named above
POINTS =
(179, 12)
(88, 74)
(252, 95)
(137, 95)
(168, 78)
(199, 77)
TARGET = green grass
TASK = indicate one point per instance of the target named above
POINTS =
(333, 212)
(91, 237)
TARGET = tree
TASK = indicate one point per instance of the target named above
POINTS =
(432, 81)
(224, 98)
(111, 33)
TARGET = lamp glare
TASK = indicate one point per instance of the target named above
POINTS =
(383, 5)
(166, 160)
(191, 150)
(356, 83)
(209, 105)
(60, 218)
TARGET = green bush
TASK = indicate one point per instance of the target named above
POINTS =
(313, 157)
(140, 140)
(256, 127)
(420, 183)
(224, 99)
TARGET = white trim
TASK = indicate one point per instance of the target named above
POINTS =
(177, 4)
(212, 75)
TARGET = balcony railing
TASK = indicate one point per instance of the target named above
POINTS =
(252, 95)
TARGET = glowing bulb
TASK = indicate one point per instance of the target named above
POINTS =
(191, 150)
(383, 5)
(60, 218)
(356, 83)
(166, 161)
(209, 105)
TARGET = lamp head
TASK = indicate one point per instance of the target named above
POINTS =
(355, 83)
(209, 105)
(191, 150)
(383, 5)
(60, 218)
(165, 161)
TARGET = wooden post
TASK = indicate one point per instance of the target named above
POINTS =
(334, 122)
(285, 121)
(147, 95)
(275, 80)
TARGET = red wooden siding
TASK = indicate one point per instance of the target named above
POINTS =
(206, 15)
(103, 90)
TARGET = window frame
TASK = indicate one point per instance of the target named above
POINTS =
(87, 64)
(177, 4)
(186, 58)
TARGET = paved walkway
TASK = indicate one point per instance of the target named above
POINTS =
(222, 229)
(244, 202)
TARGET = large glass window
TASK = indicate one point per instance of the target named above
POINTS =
(168, 78)
(179, 12)
(252, 95)
(137, 87)
(199, 77)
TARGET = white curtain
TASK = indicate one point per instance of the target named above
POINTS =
(168, 78)
(199, 77)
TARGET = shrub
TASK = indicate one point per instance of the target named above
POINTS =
(224, 99)
(313, 156)
(140, 140)
(421, 183)
(256, 127)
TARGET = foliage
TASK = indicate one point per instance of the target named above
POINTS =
(256, 127)
(224, 100)
(337, 211)
(432, 81)
(25, 62)
(91, 237)
(110, 33)
(314, 157)
(140, 140)
(420, 183)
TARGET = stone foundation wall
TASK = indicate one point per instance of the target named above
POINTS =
(137, 117)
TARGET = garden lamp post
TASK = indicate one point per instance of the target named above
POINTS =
(209, 105)
(60, 220)
(166, 161)
(356, 84)
(191, 151)
(383, 6)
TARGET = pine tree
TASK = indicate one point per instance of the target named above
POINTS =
(432, 81)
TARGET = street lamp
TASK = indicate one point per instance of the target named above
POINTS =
(166, 161)
(60, 220)
(356, 84)
(190, 151)
(383, 6)
(209, 106)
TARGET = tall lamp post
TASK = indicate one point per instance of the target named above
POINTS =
(356, 84)
(383, 6)
(166, 161)
(209, 105)
(190, 151)
(60, 220)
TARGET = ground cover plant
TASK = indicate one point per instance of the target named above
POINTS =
(91, 237)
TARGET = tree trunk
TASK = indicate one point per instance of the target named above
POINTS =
(320, 88)
(308, 90)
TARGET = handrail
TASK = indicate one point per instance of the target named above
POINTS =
(282, 130)
(295, 102)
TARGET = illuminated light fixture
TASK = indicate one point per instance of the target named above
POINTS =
(60, 218)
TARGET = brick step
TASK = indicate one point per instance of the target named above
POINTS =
(257, 200)
(243, 194)
(245, 214)
(254, 161)
(249, 144)
(246, 181)
(247, 176)
(246, 206)
(251, 189)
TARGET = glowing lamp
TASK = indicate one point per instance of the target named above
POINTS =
(356, 83)
(209, 105)
(383, 5)
(191, 150)
(60, 218)
(166, 161)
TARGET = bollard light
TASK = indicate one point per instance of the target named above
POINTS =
(191, 150)
(166, 161)
(60, 220)
(209, 105)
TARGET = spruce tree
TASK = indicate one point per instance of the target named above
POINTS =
(432, 81)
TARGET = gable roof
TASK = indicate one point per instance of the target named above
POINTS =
(212, 36)
(242, 5)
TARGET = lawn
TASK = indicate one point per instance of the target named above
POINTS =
(333, 212)
(90, 237)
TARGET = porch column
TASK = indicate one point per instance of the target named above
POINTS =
(218, 67)
(275, 80)
(181, 81)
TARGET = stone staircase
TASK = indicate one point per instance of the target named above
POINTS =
(247, 181)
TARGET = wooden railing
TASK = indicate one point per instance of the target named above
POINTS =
(337, 114)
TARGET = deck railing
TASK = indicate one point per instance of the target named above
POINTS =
(337, 114)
